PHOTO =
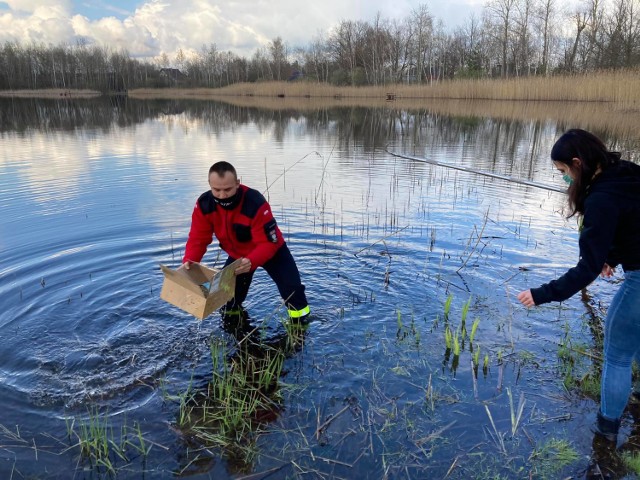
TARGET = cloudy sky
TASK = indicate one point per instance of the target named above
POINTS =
(147, 28)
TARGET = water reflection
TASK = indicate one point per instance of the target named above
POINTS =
(94, 195)
(368, 127)
(485, 143)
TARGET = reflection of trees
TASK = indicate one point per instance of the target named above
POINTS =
(581, 365)
(243, 396)
(498, 142)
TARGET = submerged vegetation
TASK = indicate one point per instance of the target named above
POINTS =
(235, 416)
(242, 397)
(101, 446)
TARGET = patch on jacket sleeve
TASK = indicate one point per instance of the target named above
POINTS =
(271, 230)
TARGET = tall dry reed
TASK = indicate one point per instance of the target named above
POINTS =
(621, 87)
(607, 101)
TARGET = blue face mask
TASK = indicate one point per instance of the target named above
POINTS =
(567, 179)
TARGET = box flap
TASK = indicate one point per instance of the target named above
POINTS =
(224, 279)
(185, 278)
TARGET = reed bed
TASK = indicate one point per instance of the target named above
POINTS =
(603, 102)
(50, 93)
(621, 87)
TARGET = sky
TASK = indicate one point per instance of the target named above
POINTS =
(146, 29)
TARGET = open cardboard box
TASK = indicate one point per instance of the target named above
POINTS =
(199, 290)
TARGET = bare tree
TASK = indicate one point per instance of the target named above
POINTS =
(620, 35)
(399, 44)
(523, 48)
(591, 53)
(346, 43)
(500, 13)
(421, 42)
(580, 22)
(545, 14)
(278, 52)
(180, 59)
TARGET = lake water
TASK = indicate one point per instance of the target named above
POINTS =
(95, 194)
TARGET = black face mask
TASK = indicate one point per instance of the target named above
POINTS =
(229, 203)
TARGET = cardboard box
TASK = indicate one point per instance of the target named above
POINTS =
(199, 290)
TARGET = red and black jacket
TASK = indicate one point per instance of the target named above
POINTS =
(248, 230)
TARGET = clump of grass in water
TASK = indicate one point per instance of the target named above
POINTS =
(572, 363)
(403, 331)
(632, 461)
(242, 393)
(552, 456)
(294, 331)
(100, 447)
(456, 351)
(454, 342)
(465, 312)
(474, 328)
(399, 332)
(476, 360)
(447, 307)
(93, 440)
(448, 338)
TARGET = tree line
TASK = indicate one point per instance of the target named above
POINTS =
(512, 38)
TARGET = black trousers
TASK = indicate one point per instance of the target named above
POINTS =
(283, 271)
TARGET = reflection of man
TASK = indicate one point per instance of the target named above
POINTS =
(242, 221)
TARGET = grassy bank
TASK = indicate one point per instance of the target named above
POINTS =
(50, 93)
(608, 101)
(621, 87)
(605, 101)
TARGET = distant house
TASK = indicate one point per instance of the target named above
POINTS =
(173, 75)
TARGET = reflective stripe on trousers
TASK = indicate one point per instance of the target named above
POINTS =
(303, 312)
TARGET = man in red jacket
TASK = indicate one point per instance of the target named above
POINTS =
(242, 221)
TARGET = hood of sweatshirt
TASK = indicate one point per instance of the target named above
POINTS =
(622, 180)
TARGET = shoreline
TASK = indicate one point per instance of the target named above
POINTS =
(50, 93)
(588, 89)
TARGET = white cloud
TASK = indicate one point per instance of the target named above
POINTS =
(46, 24)
(27, 6)
(159, 26)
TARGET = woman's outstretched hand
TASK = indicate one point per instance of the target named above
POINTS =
(526, 299)
(607, 271)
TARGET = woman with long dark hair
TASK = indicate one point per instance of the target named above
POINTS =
(605, 191)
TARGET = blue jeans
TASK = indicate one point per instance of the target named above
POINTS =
(621, 346)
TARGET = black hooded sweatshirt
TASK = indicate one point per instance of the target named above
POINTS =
(610, 232)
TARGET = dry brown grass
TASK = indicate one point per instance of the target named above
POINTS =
(50, 93)
(609, 101)
(601, 101)
(620, 87)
